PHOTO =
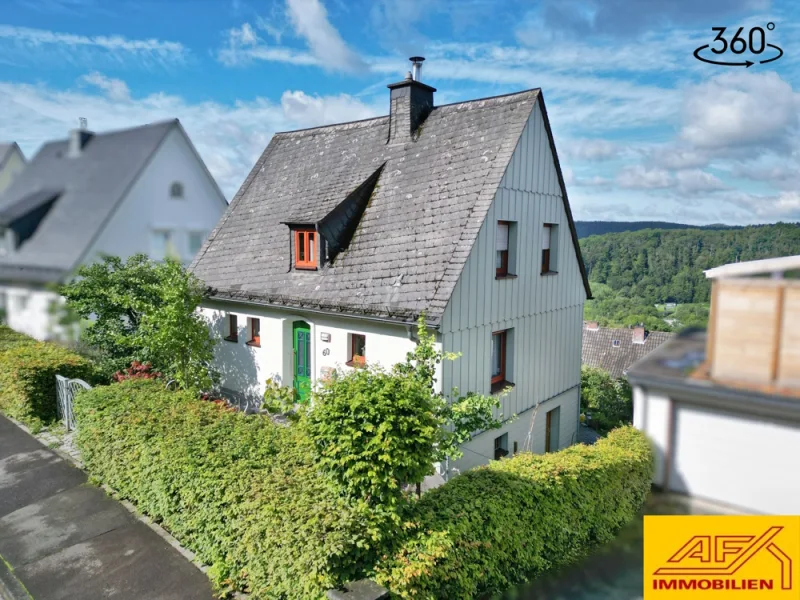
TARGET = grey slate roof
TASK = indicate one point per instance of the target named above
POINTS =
(91, 185)
(599, 351)
(415, 234)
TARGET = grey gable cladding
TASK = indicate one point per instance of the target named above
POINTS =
(91, 186)
(414, 236)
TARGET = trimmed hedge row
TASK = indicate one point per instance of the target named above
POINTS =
(10, 338)
(240, 491)
(500, 525)
(28, 377)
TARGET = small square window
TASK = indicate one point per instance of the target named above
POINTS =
(255, 332)
(615, 343)
(176, 190)
(501, 446)
(357, 356)
(305, 249)
(232, 329)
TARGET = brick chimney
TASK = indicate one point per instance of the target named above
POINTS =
(592, 326)
(410, 102)
(639, 334)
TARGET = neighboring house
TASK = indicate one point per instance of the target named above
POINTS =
(723, 408)
(615, 350)
(342, 235)
(136, 190)
(12, 161)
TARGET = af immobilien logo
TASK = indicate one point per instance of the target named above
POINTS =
(748, 557)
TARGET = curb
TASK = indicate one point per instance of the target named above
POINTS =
(11, 588)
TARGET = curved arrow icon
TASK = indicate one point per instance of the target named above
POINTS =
(746, 64)
(778, 48)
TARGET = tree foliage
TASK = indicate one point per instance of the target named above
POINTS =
(608, 400)
(375, 430)
(141, 310)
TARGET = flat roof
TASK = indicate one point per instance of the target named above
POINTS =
(780, 264)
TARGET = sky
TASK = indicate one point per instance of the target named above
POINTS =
(643, 130)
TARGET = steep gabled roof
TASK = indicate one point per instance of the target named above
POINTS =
(414, 236)
(6, 150)
(598, 348)
(89, 188)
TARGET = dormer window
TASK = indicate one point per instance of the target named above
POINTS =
(305, 249)
(176, 190)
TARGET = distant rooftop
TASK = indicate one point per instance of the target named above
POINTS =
(615, 350)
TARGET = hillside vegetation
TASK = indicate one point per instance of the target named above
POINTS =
(587, 228)
(633, 272)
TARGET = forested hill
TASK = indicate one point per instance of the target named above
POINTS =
(658, 266)
(587, 228)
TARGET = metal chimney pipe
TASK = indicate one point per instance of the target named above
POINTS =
(416, 67)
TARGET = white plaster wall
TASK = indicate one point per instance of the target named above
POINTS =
(651, 414)
(27, 310)
(245, 369)
(480, 449)
(148, 205)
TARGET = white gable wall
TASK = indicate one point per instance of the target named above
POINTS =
(10, 168)
(543, 312)
(148, 205)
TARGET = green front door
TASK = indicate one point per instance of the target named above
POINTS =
(302, 359)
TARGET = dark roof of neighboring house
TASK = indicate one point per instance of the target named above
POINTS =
(5, 152)
(598, 348)
(88, 187)
(421, 215)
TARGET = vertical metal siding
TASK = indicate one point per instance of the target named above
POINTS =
(545, 312)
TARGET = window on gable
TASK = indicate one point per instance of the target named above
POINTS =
(232, 328)
(196, 239)
(504, 249)
(357, 355)
(254, 327)
(176, 190)
(500, 375)
(305, 249)
(549, 246)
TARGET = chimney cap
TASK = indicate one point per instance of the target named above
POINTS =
(417, 59)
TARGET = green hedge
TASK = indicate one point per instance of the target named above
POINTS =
(28, 379)
(499, 525)
(10, 338)
(240, 491)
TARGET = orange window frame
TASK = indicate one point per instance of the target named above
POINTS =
(255, 332)
(307, 241)
(502, 375)
(355, 358)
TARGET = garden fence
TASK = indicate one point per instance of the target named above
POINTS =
(66, 390)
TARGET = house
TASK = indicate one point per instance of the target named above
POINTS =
(722, 407)
(12, 161)
(143, 189)
(615, 349)
(342, 235)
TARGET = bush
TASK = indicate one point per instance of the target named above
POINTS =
(11, 339)
(499, 525)
(609, 400)
(28, 380)
(242, 492)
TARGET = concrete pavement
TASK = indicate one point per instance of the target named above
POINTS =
(61, 538)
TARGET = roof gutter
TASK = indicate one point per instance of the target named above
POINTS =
(318, 311)
(725, 398)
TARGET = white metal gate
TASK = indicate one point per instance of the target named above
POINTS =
(67, 388)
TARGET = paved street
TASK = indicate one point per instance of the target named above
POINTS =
(65, 539)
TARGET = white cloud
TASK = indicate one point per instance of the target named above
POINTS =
(229, 137)
(22, 40)
(310, 21)
(695, 181)
(244, 46)
(591, 149)
(115, 89)
(739, 110)
(639, 177)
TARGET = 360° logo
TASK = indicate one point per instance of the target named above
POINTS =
(755, 41)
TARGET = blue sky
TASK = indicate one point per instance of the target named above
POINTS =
(643, 130)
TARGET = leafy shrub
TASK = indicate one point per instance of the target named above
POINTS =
(137, 370)
(11, 339)
(242, 492)
(498, 525)
(609, 400)
(28, 380)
